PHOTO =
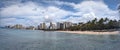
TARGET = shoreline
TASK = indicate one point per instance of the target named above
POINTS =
(91, 32)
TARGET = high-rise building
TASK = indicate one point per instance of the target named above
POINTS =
(38, 27)
(59, 25)
(42, 26)
(119, 23)
(63, 25)
(52, 26)
(9, 26)
(74, 24)
(31, 28)
(66, 25)
(18, 26)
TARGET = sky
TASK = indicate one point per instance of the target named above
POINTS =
(34, 12)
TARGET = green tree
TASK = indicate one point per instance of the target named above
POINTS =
(100, 24)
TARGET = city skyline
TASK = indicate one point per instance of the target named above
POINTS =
(32, 13)
(44, 26)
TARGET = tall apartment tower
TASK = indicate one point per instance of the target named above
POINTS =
(59, 25)
(42, 26)
(52, 26)
(66, 25)
(18, 26)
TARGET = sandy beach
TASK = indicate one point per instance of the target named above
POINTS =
(91, 32)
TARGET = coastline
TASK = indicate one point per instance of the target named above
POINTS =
(92, 32)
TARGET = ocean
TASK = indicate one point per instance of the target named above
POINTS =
(15, 39)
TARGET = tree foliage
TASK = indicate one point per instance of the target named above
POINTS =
(96, 24)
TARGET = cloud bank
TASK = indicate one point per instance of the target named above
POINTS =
(32, 13)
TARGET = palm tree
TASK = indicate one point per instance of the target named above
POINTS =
(101, 23)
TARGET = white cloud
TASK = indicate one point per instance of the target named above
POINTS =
(20, 9)
(31, 13)
(94, 9)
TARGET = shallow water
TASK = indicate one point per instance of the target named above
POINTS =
(12, 39)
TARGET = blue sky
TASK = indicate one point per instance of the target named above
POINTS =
(34, 12)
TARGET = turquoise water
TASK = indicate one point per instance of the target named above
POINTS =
(11, 39)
